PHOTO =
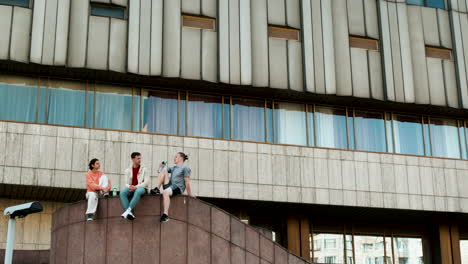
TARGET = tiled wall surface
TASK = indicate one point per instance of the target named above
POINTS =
(58, 156)
(196, 233)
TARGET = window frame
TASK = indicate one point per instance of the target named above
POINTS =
(93, 5)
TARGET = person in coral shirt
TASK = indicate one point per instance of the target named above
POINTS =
(97, 184)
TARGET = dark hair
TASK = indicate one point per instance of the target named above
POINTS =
(134, 154)
(183, 156)
(91, 163)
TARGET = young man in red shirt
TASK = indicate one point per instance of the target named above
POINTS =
(138, 179)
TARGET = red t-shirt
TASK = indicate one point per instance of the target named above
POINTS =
(135, 175)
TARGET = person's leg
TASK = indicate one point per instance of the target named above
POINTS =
(136, 197)
(124, 198)
(92, 203)
(167, 193)
(163, 178)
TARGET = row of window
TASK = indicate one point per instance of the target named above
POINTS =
(214, 116)
(366, 249)
(98, 9)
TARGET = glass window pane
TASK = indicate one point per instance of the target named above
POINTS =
(328, 248)
(227, 117)
(463, 139)
(389, 131)
(464, 251)
(427, 137)
(90, 106)
(107, 11)
(351, 136)
(435, 3)
(205, 116)
(41, 116)
(137, 110)
(182, 113)
(310, 120)
(66, 102)
(18, 98)
(349, 249)
(408, 134)
(369, 249)
(408, 250)
(248, 119)
(370, 131)
(330, 127)
(269, 121)
(290, 124)
(160, 111)
(113, 107)
(415, 2)
(444, 138)
(22, 3)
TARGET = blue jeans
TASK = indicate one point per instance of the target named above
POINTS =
(136, 195)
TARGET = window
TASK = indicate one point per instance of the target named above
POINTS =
(428, 3)
(317, 244)
(330, 127)
(444, 138)
(107, 10)
(464, 251)
(22, 3)
(66, 102)
(407, 250)
(408, 132)
(18, 98)
(367, 249)
(160, 111)
(248, 119)
(463, 130)
(370, 131)
(205, 116)
(114, 107)
(290, 124)
(332, 250)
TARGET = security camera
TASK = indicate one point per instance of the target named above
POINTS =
(23, 210)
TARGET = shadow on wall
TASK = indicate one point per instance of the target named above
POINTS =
(28, 256)
(198, 232)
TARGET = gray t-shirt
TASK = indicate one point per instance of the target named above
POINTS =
(178, 175)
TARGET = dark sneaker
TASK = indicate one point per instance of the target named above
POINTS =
(164, 218)
(155, 191)
(130, 216)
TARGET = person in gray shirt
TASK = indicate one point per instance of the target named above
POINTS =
(174, 185)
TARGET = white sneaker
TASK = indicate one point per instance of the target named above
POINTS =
(124, 215)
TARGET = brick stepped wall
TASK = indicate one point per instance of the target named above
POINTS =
(197, 233)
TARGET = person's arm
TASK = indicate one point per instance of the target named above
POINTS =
(145, 181)
(91, 185)
(188, 187)
(128, 177)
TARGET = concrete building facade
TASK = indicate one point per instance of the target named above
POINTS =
(339, 122)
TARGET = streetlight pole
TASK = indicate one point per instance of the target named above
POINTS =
(10, 240)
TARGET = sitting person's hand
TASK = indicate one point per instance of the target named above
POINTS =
(132, 188)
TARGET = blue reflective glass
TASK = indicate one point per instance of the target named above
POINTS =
(90, 107)
(409, 138)
(444, 138)
(435, 3)
(310, 120)
(160, 112)
(389, 131)
(18, 99)
(463, 138)
(427, 138)
(330, 127)
(205, 116)
(370, 131)
(248, 119)
(182, 114)
(415, 2)
(22, 3)
(269, 122)
(227, 118)
(290, 124)
(66, 103)
(113, 107)
(351, 136)
(108, 11)
(137, 110)
(41, 117)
